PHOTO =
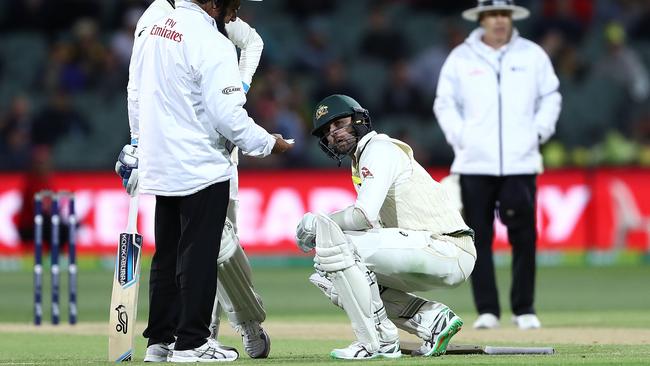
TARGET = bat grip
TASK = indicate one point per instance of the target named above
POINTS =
(132, 224)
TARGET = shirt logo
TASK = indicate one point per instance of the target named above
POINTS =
(366, 173)
(231, 89)
(167, 32)
(321, 111)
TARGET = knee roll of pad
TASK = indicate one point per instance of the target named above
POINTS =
(334, 259)
(229, 242)
(333, 250)
(235, 291)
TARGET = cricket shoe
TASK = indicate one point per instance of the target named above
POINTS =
(210, 351)
(159, 352)
(486, 321)
(257, 342)
(445, 325)
(527, 321)
(357, 351)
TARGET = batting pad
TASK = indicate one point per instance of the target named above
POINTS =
(235, 291)
(229, 242)
(351, 283)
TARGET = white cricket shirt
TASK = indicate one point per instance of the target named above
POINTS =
(395, 191)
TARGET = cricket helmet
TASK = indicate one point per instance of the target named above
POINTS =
(335, 107)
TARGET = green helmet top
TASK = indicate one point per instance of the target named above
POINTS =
(332, 108)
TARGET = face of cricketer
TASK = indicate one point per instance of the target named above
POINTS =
(231, 12)
(340, 136)
(498, 27)
(224, 16)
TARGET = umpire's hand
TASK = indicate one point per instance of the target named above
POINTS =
(281, 145)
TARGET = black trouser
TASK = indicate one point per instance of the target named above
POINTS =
(514, 198)
(183, 278)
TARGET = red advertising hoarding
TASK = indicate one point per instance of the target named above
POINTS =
(577, 209)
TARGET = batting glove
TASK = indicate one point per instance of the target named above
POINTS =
(127, 168)
(306, 233)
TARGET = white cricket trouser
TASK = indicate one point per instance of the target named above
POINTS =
(410, 260)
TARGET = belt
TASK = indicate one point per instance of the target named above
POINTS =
(461, 233)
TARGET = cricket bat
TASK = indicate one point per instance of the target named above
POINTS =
(124, 299)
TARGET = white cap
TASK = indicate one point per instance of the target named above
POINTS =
(518, 12)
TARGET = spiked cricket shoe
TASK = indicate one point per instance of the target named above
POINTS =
(445, 326)
(159, 352)
(257, 342)
(486, 321)
(527, 321)
(357, 351)
(210, 351)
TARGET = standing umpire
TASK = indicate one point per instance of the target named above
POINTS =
(190, 101)
(497, 101)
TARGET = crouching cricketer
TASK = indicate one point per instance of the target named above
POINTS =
(402, 235)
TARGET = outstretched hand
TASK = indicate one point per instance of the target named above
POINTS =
(281, 145)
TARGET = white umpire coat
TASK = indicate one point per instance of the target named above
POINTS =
(239, 32)
(496, 106)
(190, 100)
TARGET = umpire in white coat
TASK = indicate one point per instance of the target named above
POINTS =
(240, 301)
(497, 101)
(189, 102)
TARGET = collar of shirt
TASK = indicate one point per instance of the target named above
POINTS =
(194, 7)
(475, 40)
(362, 144)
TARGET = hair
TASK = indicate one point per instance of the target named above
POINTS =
(482, 15)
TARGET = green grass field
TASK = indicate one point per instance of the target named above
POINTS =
(591, 315)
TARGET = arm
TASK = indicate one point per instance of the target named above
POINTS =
(127, 163)
(447, 106)
(155, 11)
(133, 107)
(251, 45)
(383, 162)
(224, 100)
(549, 102)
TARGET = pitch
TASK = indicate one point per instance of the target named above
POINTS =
(590, 316)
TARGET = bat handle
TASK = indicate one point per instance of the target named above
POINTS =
(132, 224)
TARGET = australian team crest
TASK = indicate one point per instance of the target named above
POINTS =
(321, 111)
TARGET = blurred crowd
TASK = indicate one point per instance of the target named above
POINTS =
(64, 68)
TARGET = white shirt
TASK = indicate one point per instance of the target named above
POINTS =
(155, 11)
(496, 106)
(190, 100)
(239, 32)
(395, 191)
